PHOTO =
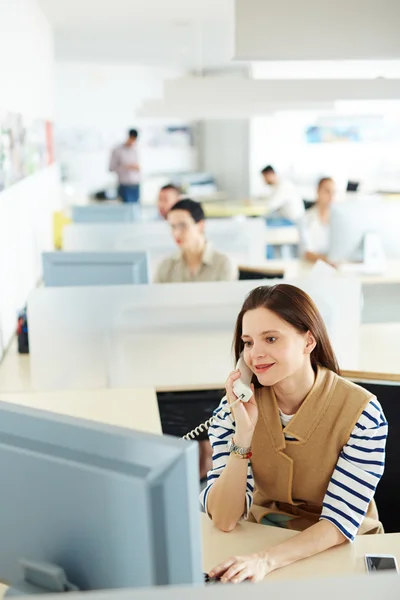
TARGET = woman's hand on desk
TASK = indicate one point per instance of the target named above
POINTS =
(253, 567)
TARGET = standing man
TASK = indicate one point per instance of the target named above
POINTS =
(124, 162)
(284, 204)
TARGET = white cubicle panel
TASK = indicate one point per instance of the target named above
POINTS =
(113, 212)
(172, 335)
(177, 346)
(242, 238)
(99, 237)
(70, 329)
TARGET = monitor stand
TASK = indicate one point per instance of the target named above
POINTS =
(374, 255)
(40, 578)
(373, 258)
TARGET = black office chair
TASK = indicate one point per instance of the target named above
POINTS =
(352, 186)
(388, 492)
(249, 273)
(308, 203)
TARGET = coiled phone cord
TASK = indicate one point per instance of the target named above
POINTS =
(207, 424)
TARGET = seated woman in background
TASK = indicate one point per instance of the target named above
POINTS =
(306, 452)
(314, 226)
(196, 260)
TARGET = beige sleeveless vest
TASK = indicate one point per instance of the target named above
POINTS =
(291, 477)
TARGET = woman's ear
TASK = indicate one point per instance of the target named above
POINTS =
(201, 226)
(311, 342)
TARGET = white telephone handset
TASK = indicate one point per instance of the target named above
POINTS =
(241, 387)
(242, 390)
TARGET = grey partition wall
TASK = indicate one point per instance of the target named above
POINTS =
(94, 268)
(106, 213)
(243, 239)
(112, 213)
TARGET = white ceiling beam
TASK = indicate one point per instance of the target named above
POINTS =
(317, 29)
(227, 89)
(325, 69)
(221, 110)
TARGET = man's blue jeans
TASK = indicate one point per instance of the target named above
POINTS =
(276, 222)
(129, 193)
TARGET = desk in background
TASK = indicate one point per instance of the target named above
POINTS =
(282, 236)
(220, 210)
(132, 408)
(293, 268)
(381, 292)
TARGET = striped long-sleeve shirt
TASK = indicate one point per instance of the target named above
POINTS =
(353, 483)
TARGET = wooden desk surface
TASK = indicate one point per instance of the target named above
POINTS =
(133, 408)
(248, 538)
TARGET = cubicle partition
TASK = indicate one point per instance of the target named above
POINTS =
(174, 336)
(105, 213)
(112, 213)
(94, 268)
(243, 239)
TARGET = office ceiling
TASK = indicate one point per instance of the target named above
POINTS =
(194, 34)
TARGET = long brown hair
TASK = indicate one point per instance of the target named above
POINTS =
(295, 307)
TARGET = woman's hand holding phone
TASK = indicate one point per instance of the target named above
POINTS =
(245, 413)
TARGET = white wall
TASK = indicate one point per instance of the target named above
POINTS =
(224, 151)
(95, 105)
(280, 140)
(26, 76)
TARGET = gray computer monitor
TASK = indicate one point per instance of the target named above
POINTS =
(352, 219)
(114, 508)
(94, 268)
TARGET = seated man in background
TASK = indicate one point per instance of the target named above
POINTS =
(196, 261)
(314, 227)
(284, 205)
(167, 197)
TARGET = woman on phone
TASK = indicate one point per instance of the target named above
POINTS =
(306, 452)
